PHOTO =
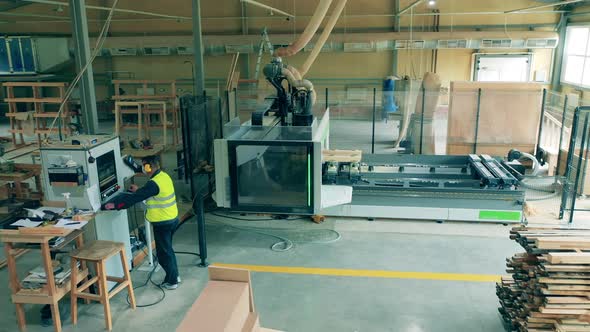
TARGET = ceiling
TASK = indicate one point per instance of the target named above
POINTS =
(231, 17)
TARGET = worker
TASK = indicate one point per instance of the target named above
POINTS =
(161, 212)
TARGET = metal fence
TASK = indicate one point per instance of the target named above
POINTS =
(202, 123)
(576, 164)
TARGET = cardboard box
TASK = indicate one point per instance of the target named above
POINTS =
(226, 304)
(252, 323)
(223, 306)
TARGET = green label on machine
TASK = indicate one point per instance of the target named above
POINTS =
(499, 215)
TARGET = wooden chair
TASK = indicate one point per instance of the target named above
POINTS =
(98, 252)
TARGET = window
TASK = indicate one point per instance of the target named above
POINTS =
(576, 57)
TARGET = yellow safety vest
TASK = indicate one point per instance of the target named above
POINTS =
(162, 207)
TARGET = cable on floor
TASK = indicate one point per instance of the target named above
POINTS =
(259, 219)
(147, 280)
(285, 244)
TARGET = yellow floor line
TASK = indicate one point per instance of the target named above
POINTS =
(366, 273)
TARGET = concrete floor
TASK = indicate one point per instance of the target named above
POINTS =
(323, 303)
(306, 303)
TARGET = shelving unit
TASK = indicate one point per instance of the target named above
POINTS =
(14, 242)
(142, 100)
(41, 116)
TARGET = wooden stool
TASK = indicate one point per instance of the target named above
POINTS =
(98, 252)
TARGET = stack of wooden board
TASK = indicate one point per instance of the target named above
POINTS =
(549, 286)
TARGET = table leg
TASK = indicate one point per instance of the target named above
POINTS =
(18, 189)
(83, 264)
(38, 183)
(55, 316)
(14, 284)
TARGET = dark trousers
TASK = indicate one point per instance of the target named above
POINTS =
(163, 232)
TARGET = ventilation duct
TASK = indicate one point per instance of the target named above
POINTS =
(239, 49)
(452, 43)
(119, 51)
(409, 44)
(359, 47)
(156, 50)
(541, 43)
(185, 50)
(496, 43)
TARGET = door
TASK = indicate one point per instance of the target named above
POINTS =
(502, 68)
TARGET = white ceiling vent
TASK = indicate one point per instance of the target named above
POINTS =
(185, 50)
(541, 43)
(409, 44)
(452, 43)
(123, 51)
(248, 48)
(326, 48)
(156, 50)
(359, 47)
(496, 43)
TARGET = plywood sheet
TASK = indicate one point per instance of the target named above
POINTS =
(508, 114)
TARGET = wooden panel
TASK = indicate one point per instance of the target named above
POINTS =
(508, 114)
(497, 150)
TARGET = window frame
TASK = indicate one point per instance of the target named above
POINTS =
(566, 55)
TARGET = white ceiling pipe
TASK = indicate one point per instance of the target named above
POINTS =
(543, 6)
(323, 37)
(313, 25)
(272, 9)
(117, 10)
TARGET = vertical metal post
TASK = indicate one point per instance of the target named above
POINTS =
(199, 50)
(422, 117)
(82, 57)
(558, 53)
(227, 106)
(579, 167)
(563, 115)
(185, 102)
(477, 120)
(236, 102)
(221, 122)
(327, 104)
(396, 26)
(541, 120)
(199, 209)
(374, 111)
(568, 164)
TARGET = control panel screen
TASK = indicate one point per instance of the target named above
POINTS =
(107, 171)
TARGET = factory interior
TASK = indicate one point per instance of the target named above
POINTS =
(295, 165)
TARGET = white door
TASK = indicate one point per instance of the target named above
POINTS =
(502, 68)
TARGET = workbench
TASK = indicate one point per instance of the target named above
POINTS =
(14, 241)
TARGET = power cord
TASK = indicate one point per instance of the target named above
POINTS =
(285, 244)
(260, 219)
(147, 280)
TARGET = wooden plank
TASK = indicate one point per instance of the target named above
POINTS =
(564, 281)
(37, 84)
(560, 242)
(566, 299)
(568, 258)
(342, 155)
(49, 100)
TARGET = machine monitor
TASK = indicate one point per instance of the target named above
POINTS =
(271, 176)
